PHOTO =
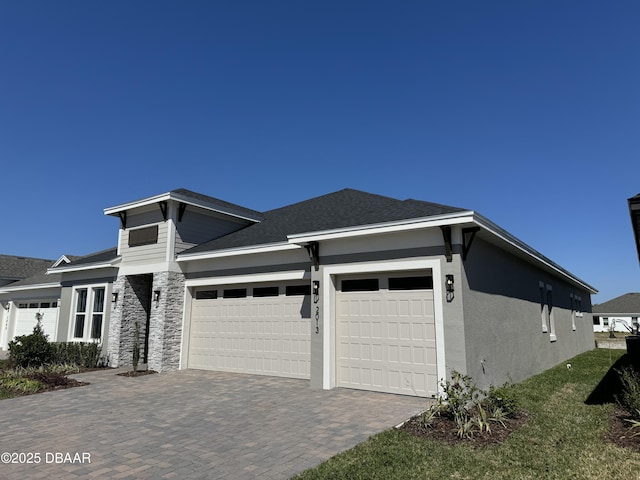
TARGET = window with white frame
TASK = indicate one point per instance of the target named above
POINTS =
(544, 314)
(551, 314)
(88, 313)
(574, 310)
(547, 315)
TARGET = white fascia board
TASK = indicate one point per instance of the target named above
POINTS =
(37, 286)
(140, 203)
(388, 227)
(62, 259)
(80, 268)
(505, 236)
(231, 252)
(179, 198)
(252, 278)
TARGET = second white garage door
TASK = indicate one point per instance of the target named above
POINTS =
(27, 318)
(386, 334)
(259, 329)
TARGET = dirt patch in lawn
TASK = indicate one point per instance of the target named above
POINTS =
(139, 373)
(444, 429)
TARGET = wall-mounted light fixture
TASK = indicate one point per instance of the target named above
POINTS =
(156, 296)
(448, 285)
(7, 306)
(316, 287)
(114, 297)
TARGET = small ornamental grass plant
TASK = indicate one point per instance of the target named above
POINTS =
(471, 408)
(629, 398)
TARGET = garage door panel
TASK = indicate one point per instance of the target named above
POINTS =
(386, 340)
(262, 335)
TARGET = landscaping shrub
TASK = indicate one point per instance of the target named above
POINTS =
(82, 354)
(629, 397)
(470, 408)
(503, 398)
(31, 350)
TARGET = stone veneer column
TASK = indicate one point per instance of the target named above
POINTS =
(131, 307)
(166, 322)
(115, 322)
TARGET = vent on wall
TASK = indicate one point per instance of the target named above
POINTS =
(143, 236)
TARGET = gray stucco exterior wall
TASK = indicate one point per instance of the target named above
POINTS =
(503, 324)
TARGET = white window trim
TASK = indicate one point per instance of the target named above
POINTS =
(86, 334)
(543, 307)
(551, 315)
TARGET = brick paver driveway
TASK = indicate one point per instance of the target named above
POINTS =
(189, 424)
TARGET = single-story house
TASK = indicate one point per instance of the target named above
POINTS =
(349, 289)
(620, 313)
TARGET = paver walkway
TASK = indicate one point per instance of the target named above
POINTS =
(189, 425)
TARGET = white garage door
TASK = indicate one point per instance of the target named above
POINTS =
(26, 317)
(260, 329)
(386, 334)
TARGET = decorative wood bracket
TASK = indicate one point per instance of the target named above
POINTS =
(181, 209)
(314, 254)
(446, 235)
(163, 209)
(468, 234)
(123, 219)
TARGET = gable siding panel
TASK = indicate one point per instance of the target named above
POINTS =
(196, 228)
(145, 253)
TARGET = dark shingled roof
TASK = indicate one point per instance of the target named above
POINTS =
(342, 209)
(37, 279)
(17, 268)
(217, 203)
(629, 303)
(97, 257)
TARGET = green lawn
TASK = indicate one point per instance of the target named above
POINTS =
(563, 439)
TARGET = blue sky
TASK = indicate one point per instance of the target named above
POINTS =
(527, 112)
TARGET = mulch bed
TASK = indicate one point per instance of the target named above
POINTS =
(444, 429)
(139, 373)
(619, 432)
(68, 383)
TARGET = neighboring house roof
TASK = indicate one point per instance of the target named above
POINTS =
(14, 268)
(634, 211)
(342, 209)
(188, 197)
(625, 305)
